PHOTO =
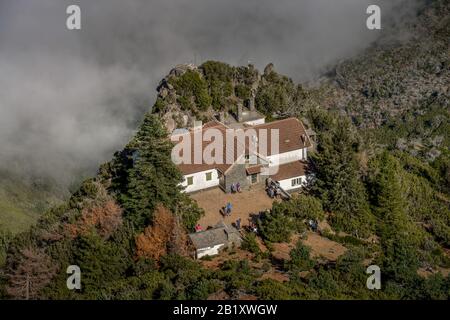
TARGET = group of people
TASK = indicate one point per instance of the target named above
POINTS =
(273, 191)
(236, 187)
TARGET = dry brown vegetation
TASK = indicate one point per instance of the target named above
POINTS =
(165, 235)
(105, 218)
(29, 274)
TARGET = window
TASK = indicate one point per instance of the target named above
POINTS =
(296, 182)
(254, 178)
(190, 181)
(208, 176)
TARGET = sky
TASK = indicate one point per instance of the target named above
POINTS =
(70, 98)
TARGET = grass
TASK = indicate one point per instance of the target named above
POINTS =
(21, 203)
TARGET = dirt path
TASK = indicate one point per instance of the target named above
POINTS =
(320, 247)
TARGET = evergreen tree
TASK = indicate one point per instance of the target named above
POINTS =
(399, 254)
(101, 262)
(276, 227)
(337, 180)
(300, 258)
(153, 178)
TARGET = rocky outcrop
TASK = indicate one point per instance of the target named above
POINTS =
(176, 115)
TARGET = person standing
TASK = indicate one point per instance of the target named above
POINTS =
(238, 223)
(229, 207)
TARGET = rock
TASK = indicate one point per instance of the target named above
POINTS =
(163, 93)
(268, 69)
(180, 69)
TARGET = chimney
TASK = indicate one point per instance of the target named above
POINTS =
(239, 112)
(222, 116)
(251, 101)
(198, 124)
(251, 104)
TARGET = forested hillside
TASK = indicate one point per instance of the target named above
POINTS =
(382, 183)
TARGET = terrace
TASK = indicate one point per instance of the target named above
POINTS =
(244, 204)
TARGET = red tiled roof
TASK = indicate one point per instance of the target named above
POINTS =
(291, 132)
(292, 135)
(254, 169)
(290, 170)
(189, 168)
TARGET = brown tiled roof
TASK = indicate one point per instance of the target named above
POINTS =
(290, 170)
(254, 169)
(291, 132)
(193, 168)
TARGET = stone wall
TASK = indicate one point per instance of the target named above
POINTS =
(237, 173)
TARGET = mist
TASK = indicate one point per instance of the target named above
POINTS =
(69, 99)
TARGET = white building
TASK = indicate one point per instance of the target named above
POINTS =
(210, 242)
(283, 160)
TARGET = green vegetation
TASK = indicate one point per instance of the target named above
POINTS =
(300, 258)
(300, 207)
(192, 90)
(277, 93)
(337, 179)
(21, 203)
(219, 77)
(250, 244)
(276, 227)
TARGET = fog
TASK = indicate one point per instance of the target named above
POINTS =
(69, 99)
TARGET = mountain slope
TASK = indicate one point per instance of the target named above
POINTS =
(22, 203)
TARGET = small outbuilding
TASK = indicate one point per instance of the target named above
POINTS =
(210, 242)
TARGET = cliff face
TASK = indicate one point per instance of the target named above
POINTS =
(171, 111)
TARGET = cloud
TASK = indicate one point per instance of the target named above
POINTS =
(68, 99)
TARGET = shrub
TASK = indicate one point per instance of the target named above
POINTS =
(276, 227)
(300, 258)
(301, 207)
(191, 84)
(273, 290)
(250, 244)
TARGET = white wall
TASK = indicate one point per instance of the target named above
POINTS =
(200, 181)
(291, 156)
(287, 184)
(210, 251)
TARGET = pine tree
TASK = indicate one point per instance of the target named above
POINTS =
(152, 178)
(337, 180)
(101, 263)
(399, 256)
